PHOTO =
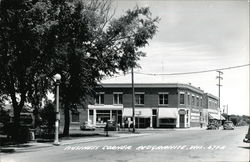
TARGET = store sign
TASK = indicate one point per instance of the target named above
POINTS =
(138, 113)
(182, 112)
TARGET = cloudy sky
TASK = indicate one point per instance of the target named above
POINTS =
(195, 36)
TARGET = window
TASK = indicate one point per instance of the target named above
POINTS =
(154, 112)
(139, 99)
(187, 116)
(91, 116)
(99, 99)
(188, 99)
(192, 100)
(102, 116)
(181, 98)
(197, 101)
(117, 98)
(163, 98)
(201, 102)
(75, 117)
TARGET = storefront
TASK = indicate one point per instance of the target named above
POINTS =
(99, 115)
(143, 116)
(167, 117)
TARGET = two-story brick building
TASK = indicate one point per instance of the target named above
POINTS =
(158, 105)
(211, 107)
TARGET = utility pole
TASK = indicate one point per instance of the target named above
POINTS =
(219, 85)
(133, 98)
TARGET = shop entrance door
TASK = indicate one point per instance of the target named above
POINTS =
(154, 118)
(182, 121)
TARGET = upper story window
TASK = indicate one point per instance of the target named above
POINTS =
(99, 98)
(192, 100)
(182, 100)
(188, 99)
(139, 98)
(197, 101)
(163, 98)
(201, 102)
(117, 98)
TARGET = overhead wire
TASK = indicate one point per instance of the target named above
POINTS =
(181, 73)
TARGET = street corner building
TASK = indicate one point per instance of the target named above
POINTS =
(158, 105)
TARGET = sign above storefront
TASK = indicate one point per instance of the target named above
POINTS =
(182, 112)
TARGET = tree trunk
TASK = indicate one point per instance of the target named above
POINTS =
(66, 119)
(15, 128)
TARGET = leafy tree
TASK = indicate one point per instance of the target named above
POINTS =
(24, 56)
(78, 39)
(90, 44)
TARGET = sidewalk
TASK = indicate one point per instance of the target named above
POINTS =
(89, 137)
(38, 145)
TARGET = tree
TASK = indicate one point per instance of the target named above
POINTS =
(78, 39)
(24, 56)
(90, 44)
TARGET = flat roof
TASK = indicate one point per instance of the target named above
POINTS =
(152, 85)
(212, 96)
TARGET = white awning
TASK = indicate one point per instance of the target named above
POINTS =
(214, 116)
(168, 113)
(222, 118)
(106, 107)
(139, 112)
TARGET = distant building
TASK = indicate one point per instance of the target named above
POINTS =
(165, 105)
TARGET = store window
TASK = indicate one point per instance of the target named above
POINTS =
(139, 98)
(91, 116)
(117, 98)
(163, 98)
(102, 116)
(99, 99)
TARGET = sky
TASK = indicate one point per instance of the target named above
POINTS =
(195, 36)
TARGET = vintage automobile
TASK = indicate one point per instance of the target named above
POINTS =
(111, 126)
(247, 137)
(87, 126)
(212, 126)
(228, 125)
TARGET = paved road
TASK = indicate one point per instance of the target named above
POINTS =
(169, 145)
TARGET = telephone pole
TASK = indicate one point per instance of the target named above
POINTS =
(133, 99)
(219, 84)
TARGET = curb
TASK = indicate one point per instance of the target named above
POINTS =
(67, 142)
(102, 139)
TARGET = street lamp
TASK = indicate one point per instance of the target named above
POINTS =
(57, 79)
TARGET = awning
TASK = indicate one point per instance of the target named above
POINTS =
(139, 112)
(168, 113)
(222, 118)
(214, 116)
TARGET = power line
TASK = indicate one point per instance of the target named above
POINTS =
(195, 72)
(182, 73)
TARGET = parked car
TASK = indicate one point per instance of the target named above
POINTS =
(111, 125)
(212, 126)
(87, 126)
(228, 125)
(247, 137)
